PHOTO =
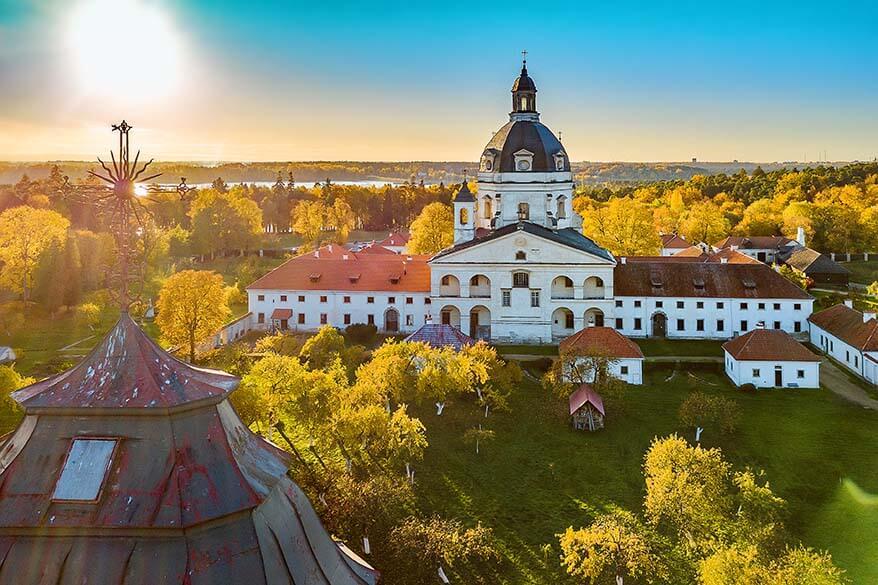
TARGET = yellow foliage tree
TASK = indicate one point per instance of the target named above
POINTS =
(192, 305)
(308, 220)
(432, 230)
(704, 222)
(623, 225)
(25, 233)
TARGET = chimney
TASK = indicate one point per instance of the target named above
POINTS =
(734, 247)
(800, 236)
(723, 260)
(868, 317)
(623, 260)
(344, 256)
(849, 303)
(329, 248)
(317, 253)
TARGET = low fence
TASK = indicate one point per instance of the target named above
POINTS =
(231, 331)
(853, 256)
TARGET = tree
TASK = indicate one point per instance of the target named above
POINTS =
(432, 230)
(744, 565)
(477, 436)
(576, 366)
(308, 221)
(616, 545)
(224, 220)
(89, 314)
(10, 381)
(704, 222)
(794, 275)
(340, 217)
(25, 233)
(623, 225)
(687, 491)
(327, 346)
(491, 377)
(761, 218)
(700, 410)
(191, 306)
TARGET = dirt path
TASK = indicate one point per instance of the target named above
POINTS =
(838, 382)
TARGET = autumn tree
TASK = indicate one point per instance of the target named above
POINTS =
(478, 436)
(700, 410)
(794, 275)
(747, 565)
(191, 306)
(25, 234)
(308, 221)
(761, 218)
(622, 225)
(432, 230)
(616, 545)
(224, 220)
(10, 381)
(704, 222)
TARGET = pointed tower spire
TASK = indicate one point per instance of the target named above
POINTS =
(524, 91)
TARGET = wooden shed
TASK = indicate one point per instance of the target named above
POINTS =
(586, 409)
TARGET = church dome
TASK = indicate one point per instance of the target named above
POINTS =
(525, 146)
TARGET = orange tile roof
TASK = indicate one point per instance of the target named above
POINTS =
(395, 239)
(754, 242)
(768, 345)
(847, 324)
(674, 241)
(334, 268)
(689, 252)
(732, 257)
(603, 341)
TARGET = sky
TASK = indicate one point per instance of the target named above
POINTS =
(271, 80)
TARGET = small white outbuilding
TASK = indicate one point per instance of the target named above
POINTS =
(771, 358)
(626, 358)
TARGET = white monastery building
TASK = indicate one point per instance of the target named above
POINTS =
(770, 358)
(521, 270)
(849, 337)
(626, 357)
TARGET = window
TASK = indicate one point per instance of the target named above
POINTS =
(568, 320)
(776, 306)
(464, 216)
(260, 297)
(637, 304)
(681, 325)
(301, 318)
(797, 306)
(370, 319)
(346, 300)
(777, 324)
(720, 305)
(755, 372)
(637, 324)
(847, 356)
(427, 300)
(562, 209)
(446, 280)
(301, 298)
(760, 306)
(619, 304)
(659, 304)
(743, 306)
(85, 470)
(619, 323)
(506, 298)
(744, 325)
(831, 345)
(409, 320)
(534, 298)
(370, 300)
(260, 318)
(680, 304)
(699, 305)
(322, 298)
(520, 280)
(487, 204)
(409, 300)
(856, 361)
(323, 318)
(797, 326)
(283, 298)
(520, 255)
(623, 370)
(347, 318)
(524, 208)
(699, 325)
(720, 325)
(391, 300)
(800, 374)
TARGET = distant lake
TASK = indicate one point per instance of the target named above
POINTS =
(142, 189)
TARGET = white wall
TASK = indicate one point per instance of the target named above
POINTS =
(411, 314)
(744, 372)
(628, 369)
(710, 311)
(847, 355)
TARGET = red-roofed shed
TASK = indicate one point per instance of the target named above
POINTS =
(586, 408)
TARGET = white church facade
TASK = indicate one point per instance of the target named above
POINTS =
(521, 270)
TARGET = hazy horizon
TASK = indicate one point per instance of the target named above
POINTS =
(236, 82)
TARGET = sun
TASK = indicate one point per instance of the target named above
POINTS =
(124, 50)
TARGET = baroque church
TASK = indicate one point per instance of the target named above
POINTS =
(520, 269)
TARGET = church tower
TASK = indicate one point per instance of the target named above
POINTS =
(464, 214)
(524, 171)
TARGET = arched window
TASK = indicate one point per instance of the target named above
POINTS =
(523, 210)
(562, 207)
(464, 216)
(520, 280)
(474, 281)
(521, 255)
(488, 207)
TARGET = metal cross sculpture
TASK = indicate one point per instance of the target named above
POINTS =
(118, 202)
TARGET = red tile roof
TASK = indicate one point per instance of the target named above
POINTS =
(690, 251)
(583, 395)
(282, 314)
(847, 324)
(695, 254)
(674, 241)
(768, 345)
(702, 279)
(441, 335)
(731, 257)
(604, 341)
(334, 268)
(375, 249)
(755, 242)
(395, 239)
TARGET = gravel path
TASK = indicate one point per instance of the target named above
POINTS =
(838, 382)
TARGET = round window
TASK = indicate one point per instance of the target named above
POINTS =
(523, 165)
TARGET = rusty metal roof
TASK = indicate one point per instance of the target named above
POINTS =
(189, 495)
(127, 370)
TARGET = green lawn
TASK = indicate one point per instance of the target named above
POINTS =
(539, 476)
(863, 272)
(680, 347)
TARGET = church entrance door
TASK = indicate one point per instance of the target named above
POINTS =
(659, 325)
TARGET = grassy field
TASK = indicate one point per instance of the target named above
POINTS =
(863, 272)
(539, 476)
(680, 347)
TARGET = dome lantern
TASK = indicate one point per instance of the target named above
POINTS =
(524, 91)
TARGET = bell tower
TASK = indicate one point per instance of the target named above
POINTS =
(524, 94)
(464, 214)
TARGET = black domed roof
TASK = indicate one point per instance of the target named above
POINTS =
(527, 135)
(524, 82)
